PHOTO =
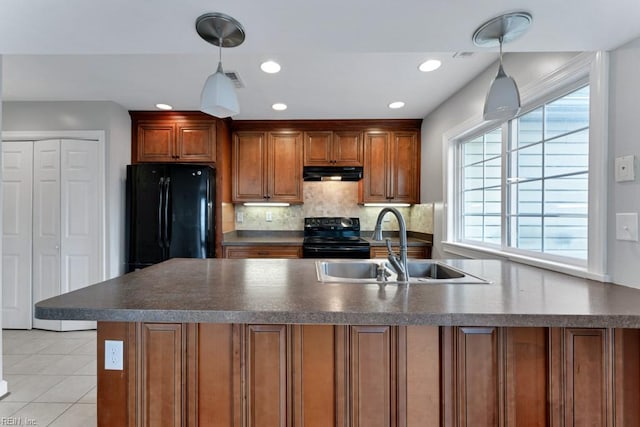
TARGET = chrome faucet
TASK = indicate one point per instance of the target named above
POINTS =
(399, 263)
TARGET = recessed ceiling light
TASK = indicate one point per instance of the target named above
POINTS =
(270, 67)
(279, 106)
(397, 104)
(164, 107)
(429, 65)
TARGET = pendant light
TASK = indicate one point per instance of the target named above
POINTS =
(218, 96)
(503, 99)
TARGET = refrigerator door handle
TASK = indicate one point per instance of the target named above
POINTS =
(160, 206)
(167, 237)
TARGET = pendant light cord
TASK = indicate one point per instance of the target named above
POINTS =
(500, 41)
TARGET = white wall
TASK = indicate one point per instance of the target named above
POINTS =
(624, 139)
(87, 115)
(466, 103)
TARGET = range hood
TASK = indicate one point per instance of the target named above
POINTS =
(332, 173)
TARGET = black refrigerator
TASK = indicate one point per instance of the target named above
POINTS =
(170, 213)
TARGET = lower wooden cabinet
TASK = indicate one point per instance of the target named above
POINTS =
(263, 251)
(368, 375)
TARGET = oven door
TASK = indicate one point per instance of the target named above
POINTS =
(318, 251)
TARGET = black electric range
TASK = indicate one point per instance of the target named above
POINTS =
(333, 237)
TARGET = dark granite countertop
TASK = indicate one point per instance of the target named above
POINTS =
(287, 291)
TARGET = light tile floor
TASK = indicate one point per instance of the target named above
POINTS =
(51, 377)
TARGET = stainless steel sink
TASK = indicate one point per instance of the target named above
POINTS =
(428, 271)
(350, 269)
(381, 271)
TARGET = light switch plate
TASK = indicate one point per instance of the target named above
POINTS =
(625, 168)
(268, 216)
(239, 217)
(627, 226)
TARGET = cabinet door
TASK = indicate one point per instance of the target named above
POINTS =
(317, 148)
(581, 363)
(196, 142)
(266, 376)
(263, 252)
(373, 376)
(403, 169)
(375, 183)
(163, 376)
(248, 164)
(156, 142)
(284, 167)
(347, 148)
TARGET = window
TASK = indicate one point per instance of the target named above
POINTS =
(547, 181)
(534, 189)
(481, 188)
(523, 186)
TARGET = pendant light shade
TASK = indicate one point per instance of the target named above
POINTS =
(503, 99)
(218, 97)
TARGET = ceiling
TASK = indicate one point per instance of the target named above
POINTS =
(340, 58)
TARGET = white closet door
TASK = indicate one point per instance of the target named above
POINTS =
(17, 171)
(80, 239)
(46, 225)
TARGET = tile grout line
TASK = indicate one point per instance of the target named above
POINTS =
(33, 340)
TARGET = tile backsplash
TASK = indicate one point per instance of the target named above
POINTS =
(330, 199)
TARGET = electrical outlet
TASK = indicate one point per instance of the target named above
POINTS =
(625, 168)
(269, 217)
(113, 355)
(239, 217)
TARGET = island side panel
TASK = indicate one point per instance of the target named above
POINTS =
(116, 401)
(526, 378)
(419, 376)
(217, 371)
(308, 375)
(627, 377)
(318, 381)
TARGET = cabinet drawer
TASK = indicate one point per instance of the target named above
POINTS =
(263, 252)
(418, 252)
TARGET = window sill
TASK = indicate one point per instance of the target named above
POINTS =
(471, 251)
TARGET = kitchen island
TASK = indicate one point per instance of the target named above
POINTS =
(262, 342)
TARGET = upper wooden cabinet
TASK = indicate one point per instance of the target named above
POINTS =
(173, 137)
(267, 167)
(391, 167)
(333, 148)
